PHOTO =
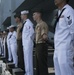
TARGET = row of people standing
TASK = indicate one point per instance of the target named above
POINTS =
(3, 40)
(20, 43)
(63, 41)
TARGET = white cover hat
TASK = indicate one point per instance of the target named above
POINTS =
(12, 26)
(7, 27)
(24, 12)
(4, 32)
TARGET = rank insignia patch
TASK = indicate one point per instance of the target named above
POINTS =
(69, 22)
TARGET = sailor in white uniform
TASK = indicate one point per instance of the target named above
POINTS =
(63, 40)
(8, 46)
(27, 40)
(4, 43)
(2, 49)
(0, 43)
(13, 44)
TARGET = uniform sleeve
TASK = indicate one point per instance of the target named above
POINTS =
(44, 29)
(32, 32)
(70, 21)
(29, 31)
(14, 35)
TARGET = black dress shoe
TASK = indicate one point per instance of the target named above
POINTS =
(9, 61)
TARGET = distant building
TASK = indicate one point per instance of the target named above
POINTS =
(7, 8)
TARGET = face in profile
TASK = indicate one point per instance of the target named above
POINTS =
(22, 16)
(17, 19)
(58, 2)
(11, 29)
(36, 15)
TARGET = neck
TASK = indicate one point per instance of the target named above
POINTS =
(12, 31)
(19, 22)
(60, 6)
(38, 20)
(24, 19)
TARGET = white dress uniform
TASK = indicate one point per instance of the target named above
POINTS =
(4, 46)
(2, 50)
(13, 46)
(8, 46)
(63, 40)
(0, 45)
(27, 40)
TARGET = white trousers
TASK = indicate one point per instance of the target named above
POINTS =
(9, 52)
(14, 54)
(0, 47)
(0, 50)
(64, 62)
(4, 50)
(28, 60)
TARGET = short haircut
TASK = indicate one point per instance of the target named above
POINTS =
(67, 1)
(38, 11)
(17, 15)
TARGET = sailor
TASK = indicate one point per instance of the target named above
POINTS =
(8, 46)
(64, 39)
(13, 44)
(27, 41)
(4, 43)
(0, 42)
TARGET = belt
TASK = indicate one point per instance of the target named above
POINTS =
(40, 42)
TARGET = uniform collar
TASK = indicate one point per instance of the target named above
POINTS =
(24, 21)
(64, 7)
(59, 11)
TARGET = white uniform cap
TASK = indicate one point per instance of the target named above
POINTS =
(12, 26)
(24, 12)
(4, 32)
(7, 27)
